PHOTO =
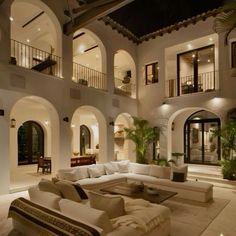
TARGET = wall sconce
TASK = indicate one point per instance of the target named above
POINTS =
(13, 123)
(111, 123)
(173, 126)
(1, 112)
(66, 119)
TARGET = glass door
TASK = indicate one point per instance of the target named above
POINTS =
(200, 145)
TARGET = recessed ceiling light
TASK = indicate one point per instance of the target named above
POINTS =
(11, 18)
(39, 29)
(189, 46)
(27, 40)
(208, 60)
(193, 55)
(210, 39)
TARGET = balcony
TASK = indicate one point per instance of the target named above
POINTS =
(89, 77)
(204, 82)
(125, 89)
(35, 59)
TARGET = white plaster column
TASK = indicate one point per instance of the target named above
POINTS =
(110, 71)
(67, 59)
(4, 155)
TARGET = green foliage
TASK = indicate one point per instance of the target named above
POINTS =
(229, 169)
(164, 162)
(228, 139)
(228, 142)
(142, 135)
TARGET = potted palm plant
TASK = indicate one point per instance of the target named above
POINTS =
(142, 135)
(228, 142)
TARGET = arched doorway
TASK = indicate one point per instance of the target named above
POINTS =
(85, 139)
(30, 143)
(200, 146)
(90, 122)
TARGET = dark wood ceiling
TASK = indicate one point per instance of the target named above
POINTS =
(142, 17)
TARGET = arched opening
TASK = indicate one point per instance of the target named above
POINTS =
(124, 74)
(89, 121)
(89, 59)
(35, 37)
(36, 120)
(123, 148)
(85, 139)
(30, 143)
(200, 145)
(189, 132)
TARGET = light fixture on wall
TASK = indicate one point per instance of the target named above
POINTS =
(111, 123)
(13, 123)
(66, 119)
(173, 126)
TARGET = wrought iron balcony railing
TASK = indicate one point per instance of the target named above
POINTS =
(33, 58)
(188, 84)
(89, 77)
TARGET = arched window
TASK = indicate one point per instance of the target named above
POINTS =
(85, 139)
(30, 143)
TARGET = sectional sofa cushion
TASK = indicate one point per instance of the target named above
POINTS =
(81, 212)
(32, 219)
(48, 186)
(109, 168)
(82, 172)
(179, 169)
(94, 172)
(123, 167)
(68, 190)
(43, 198)
(141, 169)
(113, 205)
(71, 175)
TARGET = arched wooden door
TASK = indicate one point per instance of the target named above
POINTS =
(30, 143)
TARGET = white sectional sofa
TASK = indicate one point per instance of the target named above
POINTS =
(107, 174)
(50, 213)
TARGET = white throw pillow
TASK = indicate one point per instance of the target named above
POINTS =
(71, 176)
(81, 212)
(179, 169)
(101, 168)
(141, 169)
(123, 167)
(48, 186)
(47, 199)
(68, 191)
(156, 171)
(114, 206)
(82, 172)
(94, 172)
(109, 169)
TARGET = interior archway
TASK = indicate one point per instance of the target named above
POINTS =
(94, 120)
(42, 112)
(35, 36)
(124, 74)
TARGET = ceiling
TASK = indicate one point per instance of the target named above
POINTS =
(140, 18)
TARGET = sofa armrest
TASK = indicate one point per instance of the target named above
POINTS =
(42, 221)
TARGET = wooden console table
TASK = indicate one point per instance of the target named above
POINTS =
(83, 160)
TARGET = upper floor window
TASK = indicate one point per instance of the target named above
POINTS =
(151, 73)
(233, 53)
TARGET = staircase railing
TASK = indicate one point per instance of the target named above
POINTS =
(33, 58)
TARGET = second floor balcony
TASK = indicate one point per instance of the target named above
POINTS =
(203, 82)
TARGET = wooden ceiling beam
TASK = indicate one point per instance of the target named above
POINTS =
(94, 3)
(93, 14)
